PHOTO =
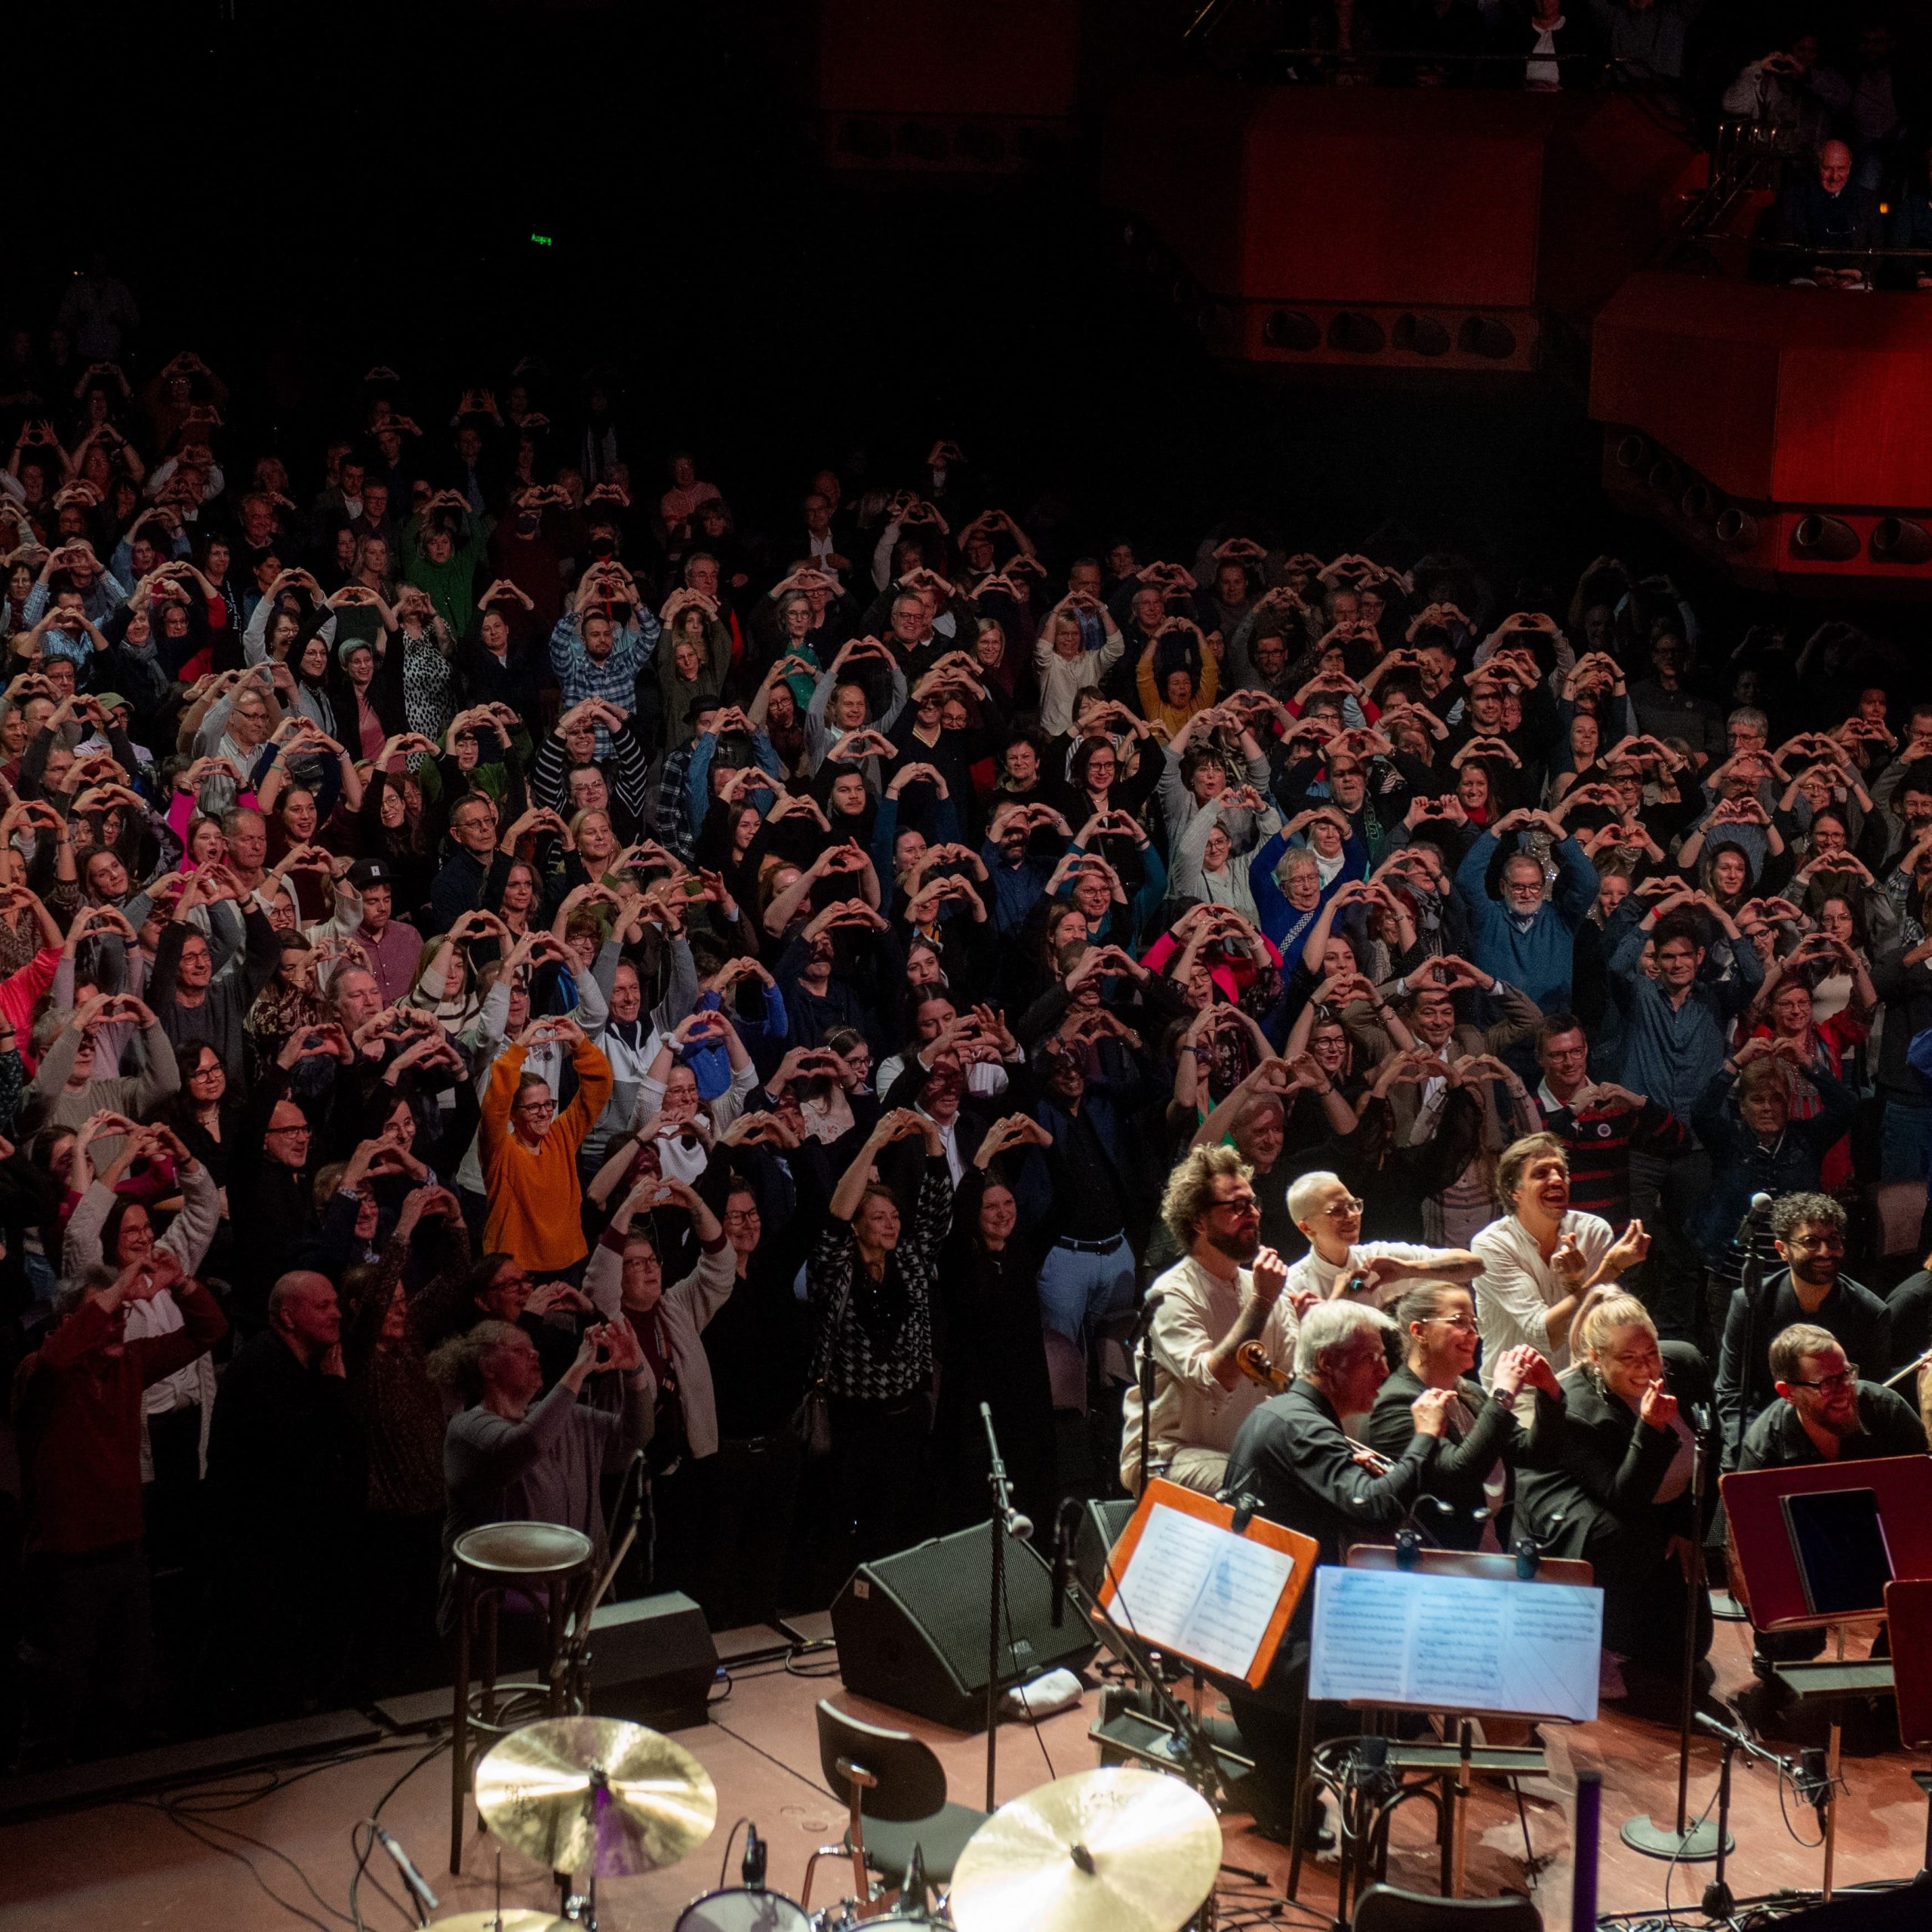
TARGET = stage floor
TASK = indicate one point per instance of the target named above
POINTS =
(119, 1867)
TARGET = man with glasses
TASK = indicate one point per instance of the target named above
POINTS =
(1228, 1291)
(1810, 1232)
(270, 1196)
(1339, 1265)
(1825, 1413)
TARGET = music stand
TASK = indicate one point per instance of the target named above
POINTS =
(1909, 1617)
(1185, 1581)
(1536, 1691)
(1781, 1594)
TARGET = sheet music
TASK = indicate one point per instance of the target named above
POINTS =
(1445, 1643)
(1194, 1587)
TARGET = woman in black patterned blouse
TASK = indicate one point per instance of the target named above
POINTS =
(873, 1285)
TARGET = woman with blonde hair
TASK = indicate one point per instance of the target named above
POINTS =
(1617, 1485)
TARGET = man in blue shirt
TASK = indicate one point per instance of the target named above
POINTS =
(1529, 940)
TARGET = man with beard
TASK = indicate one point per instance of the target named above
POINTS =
(1228, 1290)
(1809, 1232)
(1825, 1413)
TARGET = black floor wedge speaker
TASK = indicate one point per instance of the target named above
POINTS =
(913, 1627)
(652, 1660)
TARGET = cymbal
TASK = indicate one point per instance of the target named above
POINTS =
(1098, 1851)
(596, 1794)
(512, 1919)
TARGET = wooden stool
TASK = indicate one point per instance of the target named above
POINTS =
(538, 1560)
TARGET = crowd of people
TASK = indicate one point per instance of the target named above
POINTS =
(509, 972)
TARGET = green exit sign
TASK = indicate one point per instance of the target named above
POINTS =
(544, 241)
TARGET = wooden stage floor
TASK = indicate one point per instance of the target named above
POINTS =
(134, 1867)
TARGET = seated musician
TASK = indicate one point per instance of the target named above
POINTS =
(1211, 1303)
(1483, 1439)
(1613, 1487)
(1339, 1262)
(1824, 1413)
(1292, 1458)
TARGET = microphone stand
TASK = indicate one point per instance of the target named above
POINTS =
(1144, 1368)
(1202, 1768)
(1752, 1280)
(1644, 1834)
(1006, 1520)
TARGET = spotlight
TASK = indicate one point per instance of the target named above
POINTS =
(1828, 539)
(1633, 452)
(1664, 478)
(1355, 334)
(1420, 335)
(1697, 502)
(1289, 328)
(1897, 540)
(1484, 335)
(1736, 529)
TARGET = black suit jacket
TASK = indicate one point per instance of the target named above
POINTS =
(1600, 1475)
(1292, 1457)
(1463, 1462)
(1888, 1426)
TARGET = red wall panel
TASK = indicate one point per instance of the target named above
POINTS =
(1018, 57)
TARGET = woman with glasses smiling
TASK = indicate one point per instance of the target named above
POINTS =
(1483, 1435)
(1615, 1487)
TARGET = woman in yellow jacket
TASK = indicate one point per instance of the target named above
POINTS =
(1188, 681)
(530, 1152)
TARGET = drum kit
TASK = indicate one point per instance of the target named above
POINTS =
(1124, 1850)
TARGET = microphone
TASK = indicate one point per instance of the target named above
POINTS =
(1144, 1320)
(1245, 1507)
(1700, 1418)
(752, 1871)
(1746, 1228)
(418, 1886)
(1062, 1556)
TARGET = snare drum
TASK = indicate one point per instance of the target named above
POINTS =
(742, 1910)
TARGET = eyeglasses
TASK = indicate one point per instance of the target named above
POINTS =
(1831, 1243)
(536, 1107)
(303, 1130)
(1342, 1210)
(1463, 1323)
(736, 1217)
(1830, 1385)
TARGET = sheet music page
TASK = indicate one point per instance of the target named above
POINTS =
(1196, 1588)
(1445, 1643)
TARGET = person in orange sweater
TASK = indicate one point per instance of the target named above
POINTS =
(530, 1152)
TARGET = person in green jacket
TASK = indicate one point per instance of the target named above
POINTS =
(442, 545)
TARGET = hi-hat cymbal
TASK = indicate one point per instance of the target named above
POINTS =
(1099, 1851)
(512, 1919)
(596, 1795)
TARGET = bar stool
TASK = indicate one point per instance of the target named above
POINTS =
(538, 1560)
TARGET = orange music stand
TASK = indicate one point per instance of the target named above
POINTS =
(1161, 1494)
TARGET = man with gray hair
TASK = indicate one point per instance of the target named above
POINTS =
(1293, 1460)
(1226, 1292)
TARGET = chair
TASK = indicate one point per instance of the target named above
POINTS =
(1389, 1908)
(1897, 1208)
(894, 1790)
(539, 1563)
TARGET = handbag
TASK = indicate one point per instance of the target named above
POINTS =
(811, 1420)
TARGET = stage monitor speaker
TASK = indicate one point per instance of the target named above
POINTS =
(652, 1660)
(912, 1629)
(1101, 1525)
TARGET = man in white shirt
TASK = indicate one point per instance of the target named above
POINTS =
(1340, 1266)
(1540, 1261)
(1229, 1290)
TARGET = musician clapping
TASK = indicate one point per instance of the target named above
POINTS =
(1210, 1304)
(1484, 1436)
